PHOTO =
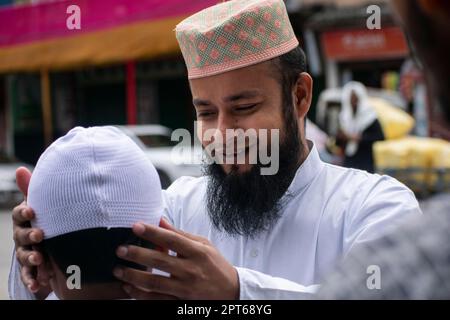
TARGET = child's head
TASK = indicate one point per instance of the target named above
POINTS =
(87, 190)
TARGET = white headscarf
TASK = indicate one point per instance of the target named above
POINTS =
(353, 124)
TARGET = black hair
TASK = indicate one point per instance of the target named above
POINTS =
(93, 251)
(288, 68)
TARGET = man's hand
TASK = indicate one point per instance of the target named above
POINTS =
(25, 237)
(198, 271)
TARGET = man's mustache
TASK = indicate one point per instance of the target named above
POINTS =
(232, 147)
(258, 146)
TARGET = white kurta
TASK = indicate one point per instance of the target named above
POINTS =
(329, 211)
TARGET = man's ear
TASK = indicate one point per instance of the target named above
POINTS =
(303, 94)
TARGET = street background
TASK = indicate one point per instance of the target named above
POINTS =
(6, 247)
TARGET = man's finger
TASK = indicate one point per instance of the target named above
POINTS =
(28, 258)
(27, 236)
(22, 214)
(138, 294)
(150, 258)
(166, 238)
(166, 225)
(43, 277)
(23, 176)
(147, 281)
(27, 277)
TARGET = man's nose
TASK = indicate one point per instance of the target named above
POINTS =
(225, 122)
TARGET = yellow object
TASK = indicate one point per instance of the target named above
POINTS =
(395, 122)
(441, 162)
(418, 162)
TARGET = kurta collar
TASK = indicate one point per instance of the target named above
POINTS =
(307, 171)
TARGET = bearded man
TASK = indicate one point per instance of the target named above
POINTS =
(238, 233)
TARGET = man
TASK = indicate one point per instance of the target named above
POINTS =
(239, 234)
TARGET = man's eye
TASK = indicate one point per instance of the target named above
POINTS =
(246, 108)
(204, 114)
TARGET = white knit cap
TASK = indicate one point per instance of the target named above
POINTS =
(93, 178)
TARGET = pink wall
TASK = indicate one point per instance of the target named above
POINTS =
(29, 23)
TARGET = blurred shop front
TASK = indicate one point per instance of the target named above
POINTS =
(363, 55)
(351, 51)
(347, 49)
(121, 66)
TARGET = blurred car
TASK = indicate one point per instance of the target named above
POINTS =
(156, 142)
(9, 192)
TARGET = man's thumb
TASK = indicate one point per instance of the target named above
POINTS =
(23, 176)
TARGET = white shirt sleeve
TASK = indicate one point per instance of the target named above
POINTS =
(256, 285)
(379, 211)
(16, 288)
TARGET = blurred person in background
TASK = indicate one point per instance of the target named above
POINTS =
(359, 127)
(413, 262)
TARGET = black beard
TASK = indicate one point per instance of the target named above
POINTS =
(249, 203)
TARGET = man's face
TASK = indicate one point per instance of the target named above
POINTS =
(240, 200)
(247, 98)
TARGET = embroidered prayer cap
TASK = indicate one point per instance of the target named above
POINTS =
(233, 35)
